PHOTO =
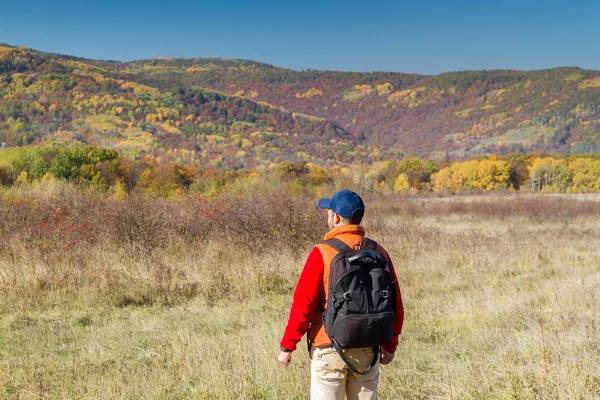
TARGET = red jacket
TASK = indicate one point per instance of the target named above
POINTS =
(310, 295)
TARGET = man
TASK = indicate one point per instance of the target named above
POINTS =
(331, 376)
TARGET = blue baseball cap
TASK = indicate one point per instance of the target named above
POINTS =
(344, 203)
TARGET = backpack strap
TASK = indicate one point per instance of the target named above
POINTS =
(369, 244)
(340, 351)
(337, 244)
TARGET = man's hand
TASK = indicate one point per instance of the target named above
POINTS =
(285, 357)
(386, 357)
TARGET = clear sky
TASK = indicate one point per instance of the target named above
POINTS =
(426, 36)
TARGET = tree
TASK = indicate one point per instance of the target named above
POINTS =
(401, 184)
(586, 174)
(548, 174)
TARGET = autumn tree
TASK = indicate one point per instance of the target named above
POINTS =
(550, 175)
(492, 174)
(586, 174)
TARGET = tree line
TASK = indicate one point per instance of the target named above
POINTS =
(109, 170)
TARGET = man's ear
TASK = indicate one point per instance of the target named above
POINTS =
(336, 218)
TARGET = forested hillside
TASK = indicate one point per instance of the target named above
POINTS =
(54, 99)
(241, 114)
(462, 114)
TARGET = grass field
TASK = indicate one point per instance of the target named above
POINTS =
(502, 298)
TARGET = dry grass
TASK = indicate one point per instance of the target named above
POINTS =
(500, 304)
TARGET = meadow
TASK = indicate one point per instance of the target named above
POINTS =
(142, 298)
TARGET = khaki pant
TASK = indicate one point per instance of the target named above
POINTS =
(331, 378)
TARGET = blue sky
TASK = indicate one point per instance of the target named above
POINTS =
(428, 36)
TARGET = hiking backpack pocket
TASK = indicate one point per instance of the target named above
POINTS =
(363, 330)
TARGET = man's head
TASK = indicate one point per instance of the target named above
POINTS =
(344, 208)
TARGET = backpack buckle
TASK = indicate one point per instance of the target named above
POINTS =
(385, 294)
(347, 296)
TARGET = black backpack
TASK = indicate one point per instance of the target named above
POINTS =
(361, 300)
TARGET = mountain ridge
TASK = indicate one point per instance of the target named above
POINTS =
(173, 58)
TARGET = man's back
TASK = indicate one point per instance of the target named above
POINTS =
(330, 374)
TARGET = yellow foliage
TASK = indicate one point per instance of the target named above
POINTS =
(196, 69)
(152, 118)
(492, 174)
(590, 83)
(401, 183)
(139, 88)
(213, 139)
(442, 181)
(366, 89)
(264, 103)
(137, 140)
(39, 106)
(120, 191)
(586, 174)
(408, 96)
(358, 92)
(145, 178)
(99, 78)
(48, 178)
(549, 175)
(318, 175)
(384, 89)
(398, 95)
(309, 93)
(171, 129)
(464, 113)
(246, 143)
(307, 117)
(574, 78)
(553, 103)
(23, 177)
